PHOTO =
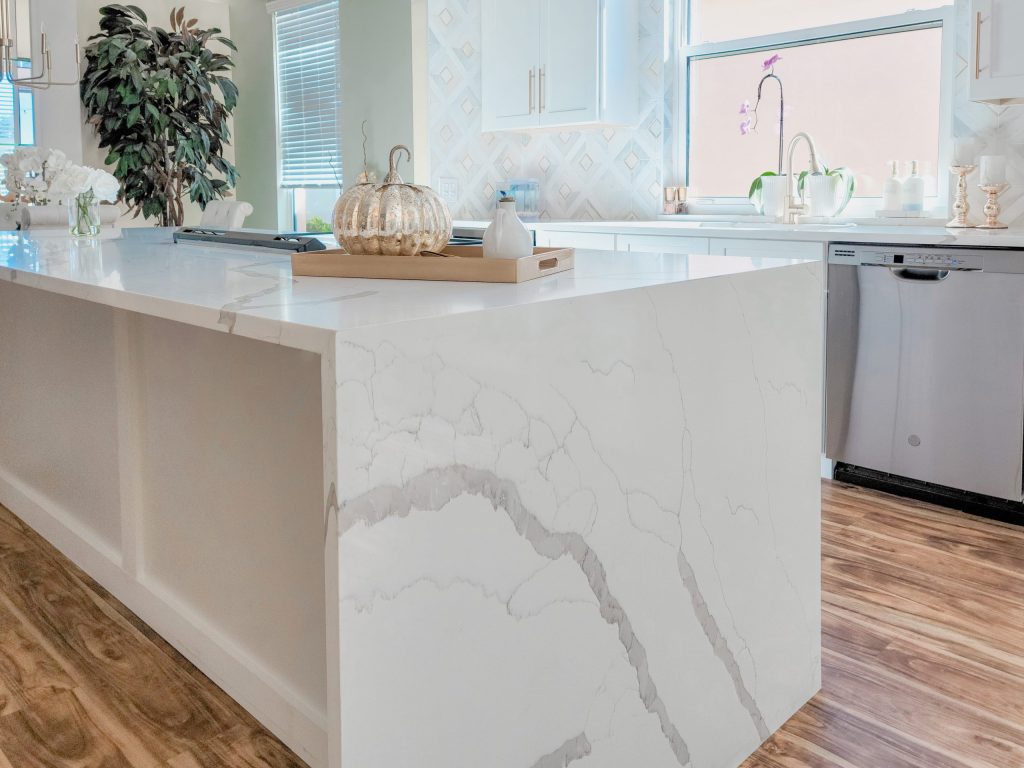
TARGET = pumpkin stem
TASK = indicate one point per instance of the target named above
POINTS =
(393, 177)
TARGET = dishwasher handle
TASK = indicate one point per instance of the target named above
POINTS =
(919, 274)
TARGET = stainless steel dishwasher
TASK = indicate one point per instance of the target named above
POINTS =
(925, 365)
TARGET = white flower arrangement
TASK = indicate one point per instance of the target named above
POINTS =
(39, 176)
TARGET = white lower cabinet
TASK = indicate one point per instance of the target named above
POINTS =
(685, 244)
(663, 244)
(723, 246)
(589, 241)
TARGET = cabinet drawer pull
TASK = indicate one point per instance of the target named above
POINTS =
(541, 89)
(531, 90)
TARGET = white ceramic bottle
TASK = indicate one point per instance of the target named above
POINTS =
(913, 191)
(506, 237)
(892, 190)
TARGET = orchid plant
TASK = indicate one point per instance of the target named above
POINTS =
(39, 176)
(749, 114)
(749, 124)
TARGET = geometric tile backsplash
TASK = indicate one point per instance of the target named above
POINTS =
(616, 173)
(594, 173)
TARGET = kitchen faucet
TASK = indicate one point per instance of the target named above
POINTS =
(792, 207)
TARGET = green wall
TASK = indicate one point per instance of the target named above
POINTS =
(380, 54)
(255, 130)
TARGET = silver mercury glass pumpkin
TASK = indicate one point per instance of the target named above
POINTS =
(393, 218)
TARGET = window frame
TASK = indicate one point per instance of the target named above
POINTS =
(943, 17)
(286, 202)
(19, 94)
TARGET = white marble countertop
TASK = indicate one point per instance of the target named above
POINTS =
(848, 233)
(252, 293)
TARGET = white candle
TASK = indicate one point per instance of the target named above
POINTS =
(963, 152)
(993, 170)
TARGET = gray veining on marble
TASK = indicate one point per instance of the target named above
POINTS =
(434, 489)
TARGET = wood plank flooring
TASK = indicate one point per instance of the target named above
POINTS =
(923, 641)
(923, 660)
(84, 684)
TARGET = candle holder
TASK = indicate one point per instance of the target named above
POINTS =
(992, 207)
(961, 207)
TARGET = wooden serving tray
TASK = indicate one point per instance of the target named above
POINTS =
(462, 263)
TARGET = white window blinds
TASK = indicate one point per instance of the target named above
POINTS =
(308, 40)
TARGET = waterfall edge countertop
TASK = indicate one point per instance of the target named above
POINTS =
(252, 293)
(443, 525)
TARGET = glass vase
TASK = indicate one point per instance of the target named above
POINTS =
(83, 215)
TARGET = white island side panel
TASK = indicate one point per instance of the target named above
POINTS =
(584, 530)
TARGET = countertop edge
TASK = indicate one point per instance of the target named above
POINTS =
(309, 338)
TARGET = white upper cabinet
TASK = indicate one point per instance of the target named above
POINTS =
(997, 52)
(553, 63)
(510, 55)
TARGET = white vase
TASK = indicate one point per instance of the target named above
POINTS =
(773, 196)
(828, 195)
(506, 237)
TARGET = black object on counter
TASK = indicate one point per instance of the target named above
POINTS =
(292, 243)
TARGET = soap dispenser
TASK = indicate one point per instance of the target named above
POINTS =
(506, 237)
(892, 190)
(913, 191)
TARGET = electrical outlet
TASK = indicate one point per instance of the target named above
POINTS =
(449, 191)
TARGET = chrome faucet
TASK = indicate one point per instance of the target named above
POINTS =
(794, 208)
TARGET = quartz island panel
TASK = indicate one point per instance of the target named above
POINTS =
(571, 521)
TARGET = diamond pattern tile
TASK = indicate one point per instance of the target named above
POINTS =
(568, 164)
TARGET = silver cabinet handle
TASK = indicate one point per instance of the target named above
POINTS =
(531, 90)
(541, 89)
(977, 47)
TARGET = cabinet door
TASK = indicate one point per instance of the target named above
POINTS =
(569, 78)
(663, 244)
(786, 249)
(511, 52)
(589, 241)
(997, 56)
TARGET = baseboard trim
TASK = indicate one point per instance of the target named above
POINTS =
(281, 710)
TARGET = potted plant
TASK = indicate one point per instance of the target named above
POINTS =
(833, 188)
(37, 178)
(160, 100)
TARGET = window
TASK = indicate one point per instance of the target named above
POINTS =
(307, 42)
(17, 112)
(864, 79)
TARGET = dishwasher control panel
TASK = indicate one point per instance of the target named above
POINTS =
(895, 256)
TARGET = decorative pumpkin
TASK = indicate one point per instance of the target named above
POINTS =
(393, 218)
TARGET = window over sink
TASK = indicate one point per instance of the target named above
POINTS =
(869, 81)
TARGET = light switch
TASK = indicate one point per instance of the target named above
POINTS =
(449, 191)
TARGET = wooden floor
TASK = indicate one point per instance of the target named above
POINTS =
(923, 658)
(923, 642)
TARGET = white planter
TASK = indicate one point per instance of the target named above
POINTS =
(773, 195)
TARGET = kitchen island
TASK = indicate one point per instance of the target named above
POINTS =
(570, 521)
